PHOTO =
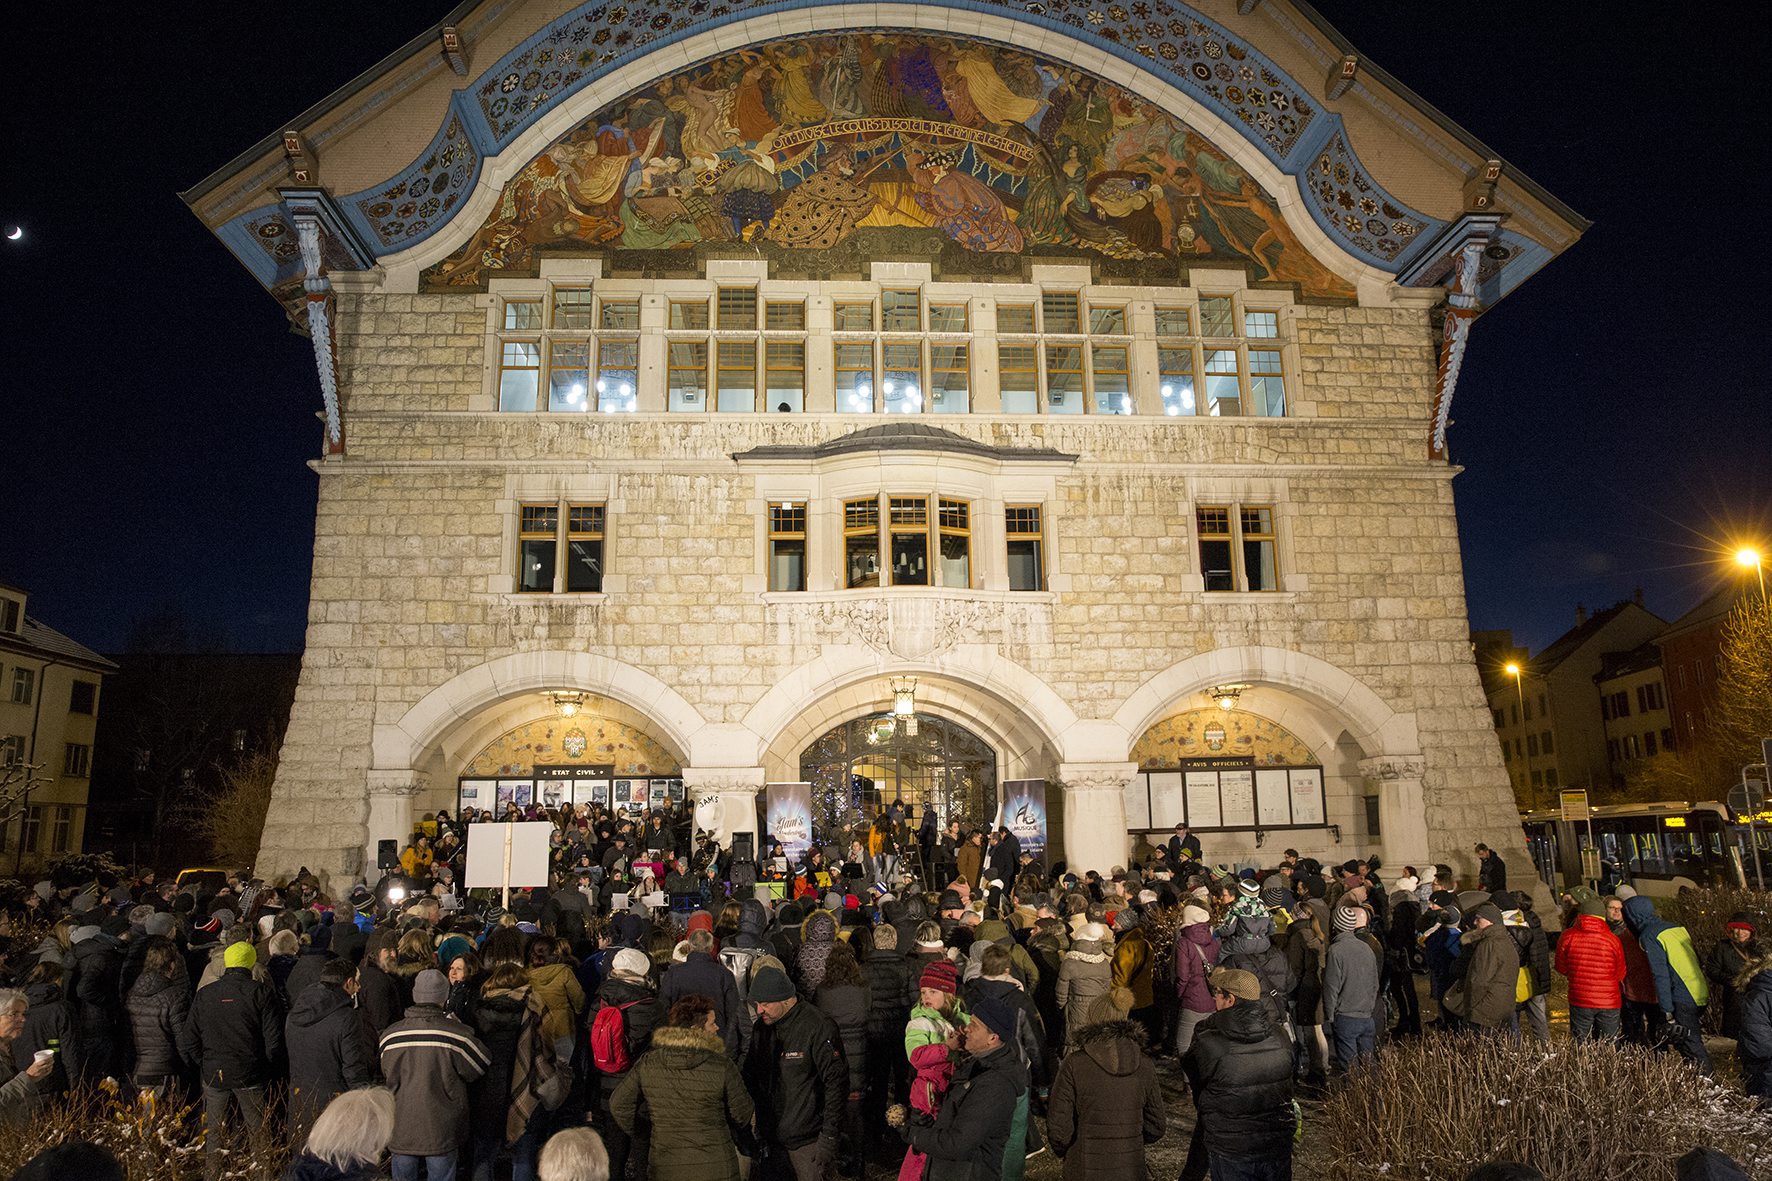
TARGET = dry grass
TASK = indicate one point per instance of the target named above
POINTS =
(1434, 1109)
(154, 1140)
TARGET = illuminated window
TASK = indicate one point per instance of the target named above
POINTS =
(784, 376)
(522, 315)
(738, 307)
(1267, 386)
(948, 378)
(1175, 380)
(1018, 377)
(787, 545)
(1112, 382)
(1174, 322)
(688, 375)
(901, 378)
(537, 546)
(1015, 317)
(1027, 544)
(1059, 312)
(569, 375)
(519, 375)
(621, 315)
(901, 311)
(1261, 325)
(1217, 317)
(1064, 379)
(853, 317)
(689, 317)
(1107, 321)
(907, 523)
(861, 542)
(855, 378)
(947, 317)
(954, 536)
(572, 307)
(1223, 395)
(1238, 547)
(785, 317)
(735, 376)
(618, 376)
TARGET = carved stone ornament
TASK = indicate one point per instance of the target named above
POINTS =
(397, 784)
(919, 627)
(707, 785)
(1387, 767)
(1103, 781)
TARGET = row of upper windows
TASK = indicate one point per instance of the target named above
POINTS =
(82, 695)
(569, 355)
(895, 540)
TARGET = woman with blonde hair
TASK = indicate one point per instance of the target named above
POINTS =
(349, 1139)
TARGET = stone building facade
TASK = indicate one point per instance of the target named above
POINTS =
(1253, 507)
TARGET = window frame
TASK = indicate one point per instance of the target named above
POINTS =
(862, 519)
(1037, 537)
(945, 526)
(776, 518)
(566, 530)
(77, 760)
(24, 685)
(1235, 535)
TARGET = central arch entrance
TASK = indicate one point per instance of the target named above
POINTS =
(862, 765)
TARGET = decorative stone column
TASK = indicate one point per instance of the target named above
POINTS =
(1095, 814)
(725, 800)
(390, 811)
(1402, 808)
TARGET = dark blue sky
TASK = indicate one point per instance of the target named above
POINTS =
(1614, 417)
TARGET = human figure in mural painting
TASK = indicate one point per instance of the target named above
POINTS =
(967, 210)
(825, 208)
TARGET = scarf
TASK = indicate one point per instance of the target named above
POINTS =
(534, 1066)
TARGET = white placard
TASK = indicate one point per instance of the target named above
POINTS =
(1202, 800)
(1307, 795)
(1273, 806)
(475, 793)
(1168, 804)
(656, 899)
(618, 902)
(529, 854)
(1138, 802)
(1237, 791)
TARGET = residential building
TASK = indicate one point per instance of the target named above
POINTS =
(1633, 708)
(1691, 654)
(50, 690)
(711, 374)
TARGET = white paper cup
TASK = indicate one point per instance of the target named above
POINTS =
(42, 1055)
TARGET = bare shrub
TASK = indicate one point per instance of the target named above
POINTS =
(153, 1139)
(232, 822)
(1434, 1109)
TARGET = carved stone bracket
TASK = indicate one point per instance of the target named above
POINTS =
(705, 783)
(1385, 767)
(919, 627)
(401, 785)
(1090, 778)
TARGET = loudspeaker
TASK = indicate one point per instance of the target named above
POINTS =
(741, 847)
(387, 855)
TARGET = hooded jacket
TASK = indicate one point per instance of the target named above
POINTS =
(327, 1053)
(1132, 967)
(1754, 1036)
(818, 934)
(1196, 952)
(695, 1094)
(967, 1139)
(1085, 973)
(1490, 978)
(1590, 957)
(158, 1008)
(1105, 1105)
(1240, 1070)
(46, 1024)
(1678, 976)
(640, 1018)
(560, 995)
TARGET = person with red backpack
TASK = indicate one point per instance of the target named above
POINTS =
(622, 1021)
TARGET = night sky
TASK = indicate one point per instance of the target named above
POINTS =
(1613, 419)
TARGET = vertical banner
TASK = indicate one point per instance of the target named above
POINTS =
(1024, 815)
(788, 816)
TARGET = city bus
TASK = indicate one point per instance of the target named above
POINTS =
(1655, 848)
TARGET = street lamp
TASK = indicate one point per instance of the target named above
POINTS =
(1747, 555)
(1513, 670)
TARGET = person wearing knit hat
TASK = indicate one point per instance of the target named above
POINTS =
(1727, 960)
(234, 1035)
(1491, 973)
(796, 1073)
(430, 1059)
(631, 963)
(1350, 990)
(988, 1099)
(1591, 958)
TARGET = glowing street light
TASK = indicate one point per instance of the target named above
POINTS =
(1747, 556)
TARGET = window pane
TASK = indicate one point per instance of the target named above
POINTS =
(1024, 565)
(910, 559)
(523, 314)
(1015, 317)
(947, 317)
(861, 560)
(688, 375)
(738, 307)
(618, 375)
(584, 565)
(1176, 380)
(689, 315)
(1064, 379)
(1261, 324)
(1267, 391)
(736, 376)
(1215, 564)
(854, 317)
(948, 378)
(1258, 565)
(1059, 312)
(535, 571)
(1019, 378)
(572, 307)
(1113, 393)
(569, 380)
(621, 314)
(901, 379)
(1216, 317)
(855, 378)
(1107, 321)
(1172, 322)
(787, 564)
(785, 317)
(519, 379)
(901, 311)
(1223, 396)
(785, 376)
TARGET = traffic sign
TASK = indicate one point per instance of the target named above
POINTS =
(1574, 804)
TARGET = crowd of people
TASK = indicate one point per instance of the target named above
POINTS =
(840, 1012)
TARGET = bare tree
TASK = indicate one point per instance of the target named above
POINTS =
(17, 781)
(232, 820)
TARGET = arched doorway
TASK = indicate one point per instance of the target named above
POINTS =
(861, 765)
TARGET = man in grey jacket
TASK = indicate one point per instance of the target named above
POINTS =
(429, 1059)
(1350, 990)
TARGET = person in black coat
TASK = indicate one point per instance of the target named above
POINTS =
(702, 975)
(47, 1025)
(235, 1036)
(313, 956)
(94, 989)
(159, 1004)
(892, 991)
(970, 1134)
(1240, 1071)
(378, 995)
(327, 1053)
(1492, 870)
(796, 1074)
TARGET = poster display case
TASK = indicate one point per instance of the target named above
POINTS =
(1225, 795)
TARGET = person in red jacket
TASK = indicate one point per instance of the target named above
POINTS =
(1591, 958)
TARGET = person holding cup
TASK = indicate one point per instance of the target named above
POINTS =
(18, 1088)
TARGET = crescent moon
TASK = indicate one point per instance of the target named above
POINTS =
(16, 232)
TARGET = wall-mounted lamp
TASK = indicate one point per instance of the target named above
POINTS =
(1226, 695)
(1335, 831)
(1260, 837)
(567, 701)
(904, 696)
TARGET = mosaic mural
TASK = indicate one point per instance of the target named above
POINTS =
(565, 741)
(1217, 733)
(812, 143)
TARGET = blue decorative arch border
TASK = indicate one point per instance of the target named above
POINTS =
(1171, 42)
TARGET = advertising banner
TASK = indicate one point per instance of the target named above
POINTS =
(788, 816)
(1024, 815)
